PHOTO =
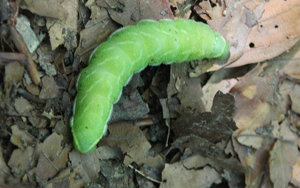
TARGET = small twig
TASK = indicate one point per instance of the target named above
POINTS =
(265, 136)
(143, 122)
(21, 46)
(16, 114)
(15, 5)
(72, 83)
(30, 97)
(144, 175)
(169, 130)
(51, 162)
(7, 57)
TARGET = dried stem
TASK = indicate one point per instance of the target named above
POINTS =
(30, 97)
(21, 46)
(7, 57)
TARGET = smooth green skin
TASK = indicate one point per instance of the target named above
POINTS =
(127, 51)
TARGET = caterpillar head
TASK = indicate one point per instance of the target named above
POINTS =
(221, 47)
(89, 124)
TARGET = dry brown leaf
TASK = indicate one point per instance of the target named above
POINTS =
(13, 74)
(296, 173)
(177, 176)
(61, 160)
(33, 89)
(4, 170)
(94, 33)
(66, 178)
(45, 169)
(101, 25)
(22, 106)
(275, 32)
(283, 157)
(51, 156)
(129, 12)
(63, 129)
(39, 122)
(175, 2)
(64, 31)
(295, 98)
(96, 30)
(45, 8)
(107, 153)
(50, 115)
(61, 20)
(143, 182)
(209, 12)
(181, 8)
(287, 67)
(251, 28)
(21, 161)
(253, 162)
(256, 99)
(165, 108)
(250, 138)
(213, 152)
(51, 147)
(295, 121)
(75, 181)
(46, 57)
(130, 106)
(48, 167)
(117, 174)
(292, 59)
(222, 80)
(264, 94)
(50, 89)
(61, 179)
(21, 138)
(133, 143)
(216, 83)
(87, 165)
(236, 24)
(186, 89)
(213, 126)
(97, 13)
(285, 88)
(196, 162)
(23, 26)
(210, 89)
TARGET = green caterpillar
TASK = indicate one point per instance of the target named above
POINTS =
(127, 51)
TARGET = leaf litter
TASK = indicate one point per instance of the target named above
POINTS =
(194, 124)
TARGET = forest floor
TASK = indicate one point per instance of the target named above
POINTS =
(206, 123)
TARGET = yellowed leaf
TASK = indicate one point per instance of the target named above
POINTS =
(283, 157)
(133, 143)
(177, 176)
(275, 32)
(296, 172)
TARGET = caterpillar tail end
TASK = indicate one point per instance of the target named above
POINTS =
(82, 147)
(221, 47)
(84, 150)
(225, 53)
